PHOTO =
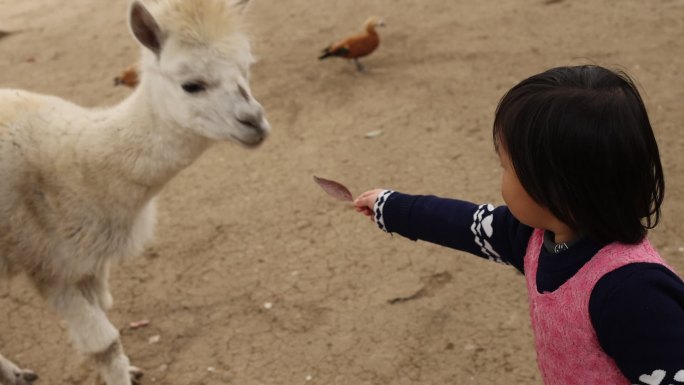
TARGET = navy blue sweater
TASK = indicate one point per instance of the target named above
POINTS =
(637, 310)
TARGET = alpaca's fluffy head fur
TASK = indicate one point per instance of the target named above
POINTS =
(200, 22)
(197, 63)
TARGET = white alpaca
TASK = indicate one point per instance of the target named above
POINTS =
(77, 186)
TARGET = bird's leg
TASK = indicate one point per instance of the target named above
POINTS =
(359, 66)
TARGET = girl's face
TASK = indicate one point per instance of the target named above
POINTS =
(523, 207)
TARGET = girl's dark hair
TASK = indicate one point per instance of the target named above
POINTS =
(581, 144)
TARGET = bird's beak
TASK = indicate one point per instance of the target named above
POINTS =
(381, 23)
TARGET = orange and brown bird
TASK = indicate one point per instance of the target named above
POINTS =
(129, 77)
(357, 46)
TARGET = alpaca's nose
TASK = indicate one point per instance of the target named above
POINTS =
(255, 122)
(251, 122)
(252, 116)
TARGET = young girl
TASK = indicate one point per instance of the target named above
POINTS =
(582, 182)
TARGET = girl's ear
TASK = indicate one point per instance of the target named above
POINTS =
(145, 28)
(240, 5)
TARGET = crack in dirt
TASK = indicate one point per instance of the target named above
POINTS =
(434, 283)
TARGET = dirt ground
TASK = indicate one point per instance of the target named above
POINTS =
(256, 276)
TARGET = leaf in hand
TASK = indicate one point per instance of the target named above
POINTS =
(334, 189)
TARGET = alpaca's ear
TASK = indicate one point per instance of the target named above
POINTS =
(145, 28)
(240, 5)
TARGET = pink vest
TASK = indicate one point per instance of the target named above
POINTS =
(568, 351)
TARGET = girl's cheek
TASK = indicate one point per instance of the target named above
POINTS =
(504, 192)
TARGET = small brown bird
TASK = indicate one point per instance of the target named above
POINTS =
(129, 77)
(357, 46)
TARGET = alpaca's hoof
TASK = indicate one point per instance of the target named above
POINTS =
(25, 377)
(136, 375)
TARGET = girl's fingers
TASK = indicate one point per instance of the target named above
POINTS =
(360, 201)
(366, 199)
(364, 210)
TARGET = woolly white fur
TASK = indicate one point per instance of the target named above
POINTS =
(78, 185)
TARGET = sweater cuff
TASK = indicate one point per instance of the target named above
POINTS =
(392, 211)
(379, 207)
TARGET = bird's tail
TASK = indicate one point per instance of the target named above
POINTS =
(326, 53)
(334, 51)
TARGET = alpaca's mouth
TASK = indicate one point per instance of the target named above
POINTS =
(254, 141)
(255, 132)
(251, 123)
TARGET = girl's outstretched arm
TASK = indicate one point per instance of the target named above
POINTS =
(483, 230)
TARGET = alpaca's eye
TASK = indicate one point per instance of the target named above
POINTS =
(194, 87)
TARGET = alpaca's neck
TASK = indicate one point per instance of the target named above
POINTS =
(143, 146)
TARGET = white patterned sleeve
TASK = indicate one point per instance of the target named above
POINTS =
(379, 206)
(483, 231)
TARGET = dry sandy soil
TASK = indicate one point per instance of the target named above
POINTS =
(241, 229)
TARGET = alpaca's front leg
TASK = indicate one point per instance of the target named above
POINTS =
(109, 370)
(96, 291)
(93, 334)
(10, 374)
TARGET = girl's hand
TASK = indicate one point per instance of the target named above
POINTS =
(364, 203)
